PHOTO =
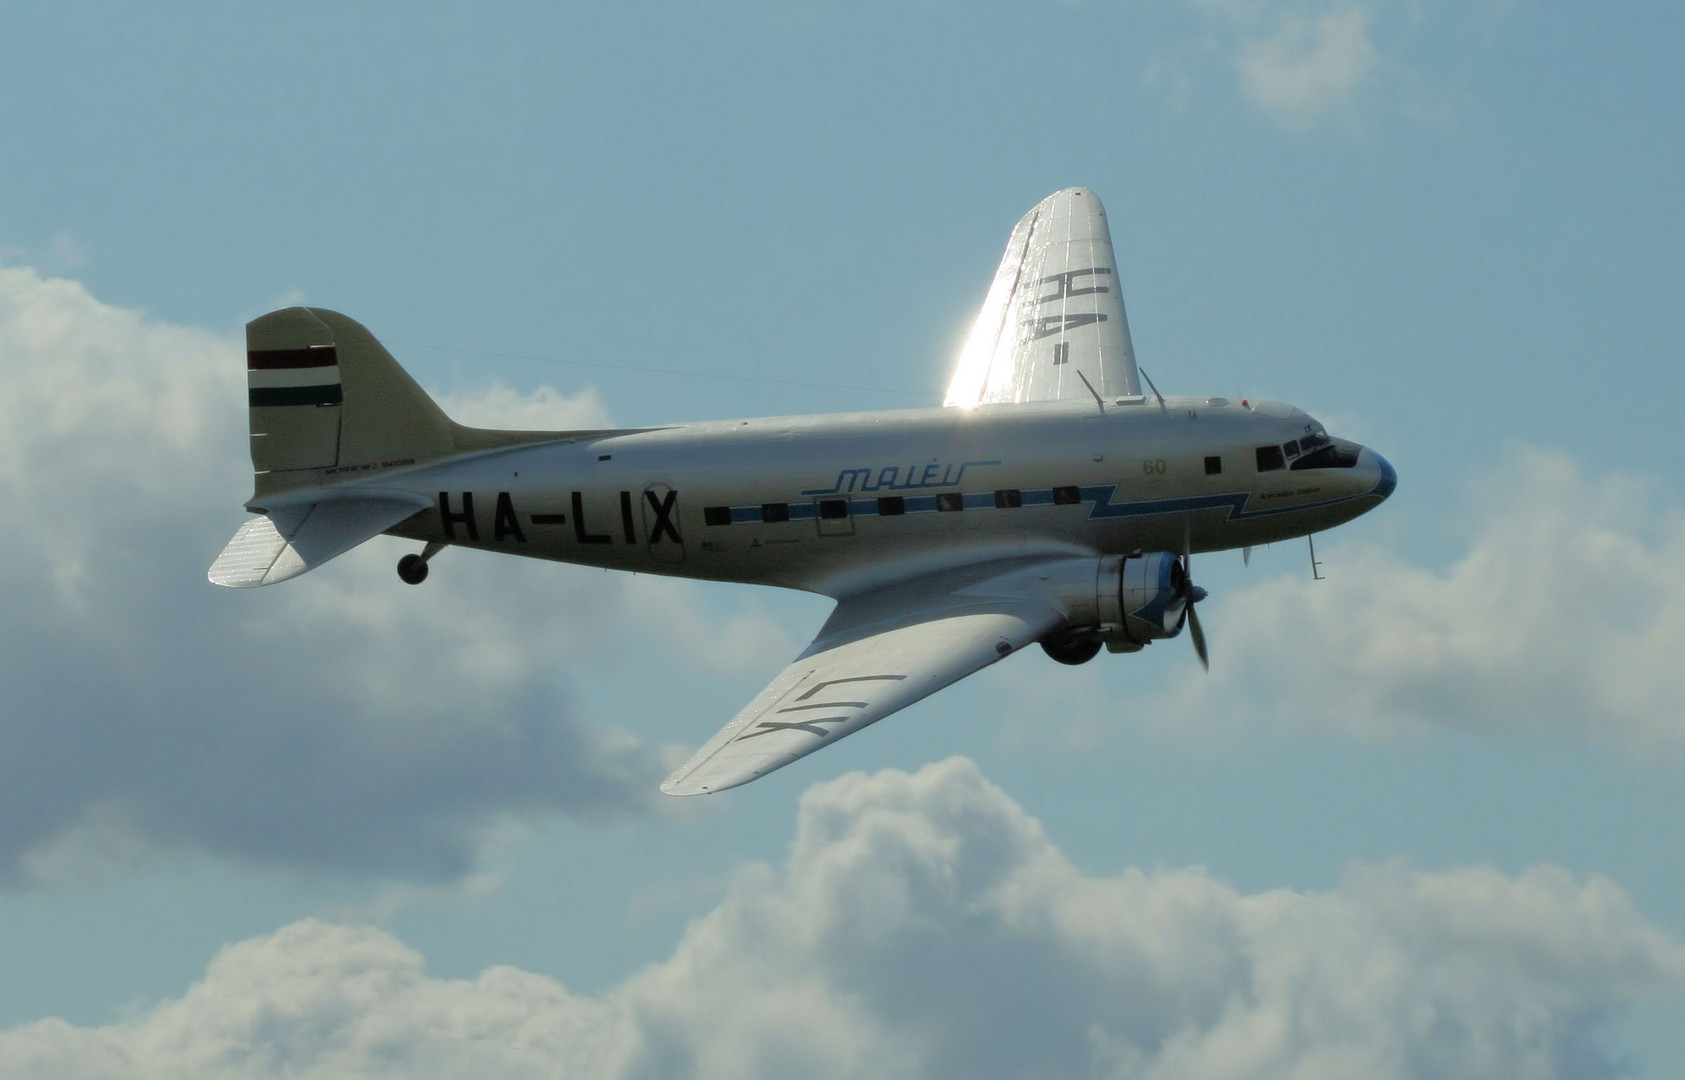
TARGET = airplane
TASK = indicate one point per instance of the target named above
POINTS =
(1048, 501)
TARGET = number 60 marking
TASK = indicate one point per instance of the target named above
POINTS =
(1153, 467)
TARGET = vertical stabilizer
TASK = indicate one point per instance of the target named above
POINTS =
(326, 398)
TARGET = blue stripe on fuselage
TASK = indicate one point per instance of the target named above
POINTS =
(1097, 496)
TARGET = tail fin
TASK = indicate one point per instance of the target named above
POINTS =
(328, 403)
(325, 395)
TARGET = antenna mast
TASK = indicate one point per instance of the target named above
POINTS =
(1150, 382)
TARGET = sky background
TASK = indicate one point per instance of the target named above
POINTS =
(1422, 818)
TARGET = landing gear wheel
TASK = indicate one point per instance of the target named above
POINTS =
(412, 569)
(1071, 650)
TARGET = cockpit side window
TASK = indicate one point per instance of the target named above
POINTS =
(1331, 455)
(1270, 459)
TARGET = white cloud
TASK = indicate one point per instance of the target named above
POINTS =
(1305, 64)
(925, 926)
(1308, 68)
(340, 720)
(1565, 617)
(544, 409)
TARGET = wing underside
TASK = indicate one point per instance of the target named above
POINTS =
(1055, 309)
(860, 669)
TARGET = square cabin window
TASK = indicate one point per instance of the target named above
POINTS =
(833, 508)
(1270, 459)
(716, 515)
(775, 512)
(1213, 465)
(892, 506)
(1008, 499)
(1067, 496)
(950, 500)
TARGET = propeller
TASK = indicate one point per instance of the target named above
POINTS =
(1198, 635)
(1193, 594)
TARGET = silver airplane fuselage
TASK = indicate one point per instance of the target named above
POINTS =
(839, 503)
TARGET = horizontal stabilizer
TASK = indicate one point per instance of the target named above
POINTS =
(286, 541)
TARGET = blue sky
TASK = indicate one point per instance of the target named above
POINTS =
(1446, 776)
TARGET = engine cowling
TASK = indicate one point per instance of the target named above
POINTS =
(1142, 598)
(1153, 593)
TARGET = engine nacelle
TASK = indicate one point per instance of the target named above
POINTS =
(1122, 602)
(1142, 598)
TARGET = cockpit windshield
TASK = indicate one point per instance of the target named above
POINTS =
(1312, 450)
(1318, 451)
(1334, 454)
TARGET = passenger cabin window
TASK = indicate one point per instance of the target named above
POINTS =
(950, 500)
(892, 506)
(775, 511)
(1213, 465)
(833, 508)
(716, 515)
(1008, 498)
(1066, 496)
(1270, 459)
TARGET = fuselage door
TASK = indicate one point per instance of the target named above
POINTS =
(833, 517)
(661, 523)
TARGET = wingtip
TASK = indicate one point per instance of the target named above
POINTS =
(1071, 194)
(687, 781)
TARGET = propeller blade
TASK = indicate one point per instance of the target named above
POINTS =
(1193, 595)
(1246, 555)
(1198, 635)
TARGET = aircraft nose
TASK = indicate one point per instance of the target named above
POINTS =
(1386, 477)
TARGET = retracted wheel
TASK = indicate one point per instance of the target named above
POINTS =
(412, 569)
(1071, 650)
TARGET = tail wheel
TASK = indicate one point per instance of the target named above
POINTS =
(412, 569)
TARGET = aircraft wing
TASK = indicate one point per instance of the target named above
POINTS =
(285, 541)
(876, 654)
(1055, 309)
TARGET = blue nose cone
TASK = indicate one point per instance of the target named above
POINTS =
(1389, 477)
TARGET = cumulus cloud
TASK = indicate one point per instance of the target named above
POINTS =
(1307, 63)
(1307, 68)
(1564, 617)
(340, 720)
(924, 925)
(545, 409)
